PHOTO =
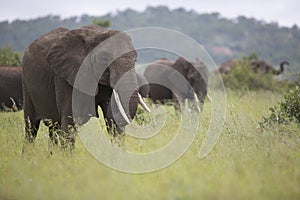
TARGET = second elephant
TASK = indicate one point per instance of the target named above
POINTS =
(143, 84)
(195, 73)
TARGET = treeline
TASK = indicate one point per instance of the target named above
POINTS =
(223, 38)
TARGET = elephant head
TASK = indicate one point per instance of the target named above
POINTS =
(281, 70)
(226, 67)
(180, 79)
(196, 73)
(199, 79)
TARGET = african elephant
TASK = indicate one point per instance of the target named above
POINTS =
(226, 67)
(144, 87)
(155, 73)
(11, 95)
(258, 66)
(53, 64)
(261, 66)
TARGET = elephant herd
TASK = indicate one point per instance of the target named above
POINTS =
(257, 66)
(68, 74)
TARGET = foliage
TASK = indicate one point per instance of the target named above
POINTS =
(242, 77)
(103, 23)
(294, 78)
(246, 163)
(9, 57)
(286, 111)
(251, 57)
(241, 35)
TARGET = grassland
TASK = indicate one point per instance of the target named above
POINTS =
(247, 162)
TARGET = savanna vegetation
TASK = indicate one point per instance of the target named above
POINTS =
(9, 57)
(243, 78)
(256, 157)
(248, 161)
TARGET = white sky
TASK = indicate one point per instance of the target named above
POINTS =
(285, 12)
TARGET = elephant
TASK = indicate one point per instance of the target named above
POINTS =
(11, 95)
(53, 63)
(261, 66)
(155, 72)
(258, 66)
(144, 87)
(226, 67)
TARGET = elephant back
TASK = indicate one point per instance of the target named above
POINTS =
(45, 42)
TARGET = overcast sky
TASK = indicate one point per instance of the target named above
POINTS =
(285, 12)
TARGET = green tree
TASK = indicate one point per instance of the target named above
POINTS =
(9, 57)
(287, 110)
(100, 22)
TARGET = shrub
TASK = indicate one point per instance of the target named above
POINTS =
(286, 111)
(243, 78)
(103, 23)
(9, 57)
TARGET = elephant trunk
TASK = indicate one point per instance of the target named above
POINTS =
(120, 106)
(125, 97)
(281, 70)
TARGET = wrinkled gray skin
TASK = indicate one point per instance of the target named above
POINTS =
(11, 95)
(50, 65)
(155, 73)
(144, 87)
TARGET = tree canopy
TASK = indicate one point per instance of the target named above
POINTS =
(223, 38)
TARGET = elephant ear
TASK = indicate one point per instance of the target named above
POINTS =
(68, 52)
(177, 76)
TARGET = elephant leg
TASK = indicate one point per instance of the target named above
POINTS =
(54, 132)
(31, 125)
(176, 106)
(68, 131)
(31, 122)
(54, 129)
(110, 126)
(64, 105)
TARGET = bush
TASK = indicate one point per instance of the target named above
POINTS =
(102, 23)
(243, 78)
(286, 111)
(9, 57)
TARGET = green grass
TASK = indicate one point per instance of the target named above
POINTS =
(247, 162)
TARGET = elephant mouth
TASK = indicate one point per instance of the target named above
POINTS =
(194, 103)
(121, 108)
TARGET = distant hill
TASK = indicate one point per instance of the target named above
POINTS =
(223, 38)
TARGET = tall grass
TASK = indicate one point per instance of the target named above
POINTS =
(247, 163)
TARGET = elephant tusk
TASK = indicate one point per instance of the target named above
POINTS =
(196, 98)
(209, 97)
(13, 101)
(120, 107)
(197, 101)
(143, 104)
(14, 106)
